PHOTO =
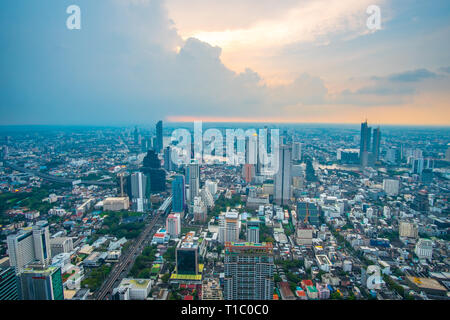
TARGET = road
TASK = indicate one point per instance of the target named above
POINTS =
(125, 261)
(54, 178)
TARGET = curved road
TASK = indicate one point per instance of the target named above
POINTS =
(54, 178)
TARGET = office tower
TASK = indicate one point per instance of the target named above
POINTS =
(194, 179)
(391, 186)
(186, 256)
(173, 224)
(159, 137)
(308, 212)
(248, 172)
(229, 227)
(200, 210)
(151, 167)
(283, 176)
(178, 194)
(9, 289)
(424, 249)
(39, 282)
(139, 191)
(168, 164)
(122, 182)
(248, 271)
(296, 151)
(364, 148)
(376, 144)
(28, 246)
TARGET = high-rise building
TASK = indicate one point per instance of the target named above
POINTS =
(211, 186)
(186, 255)
(248, 271)
(28, 246)
(173, 224)
(151, 167)
(283, 176)
(194, 180)
(391, 186)
(200, 210)
(179, 194)
(424, 249)
(421, 202)
(376, 144)
(207, 197)
(39, 282)
(253, 234)
(296, 151)
(168, 163)
(229, 227)
(138, 191)
(364, 148)
(159, 137)
(408, 229)
(9, 289)
(248, 172)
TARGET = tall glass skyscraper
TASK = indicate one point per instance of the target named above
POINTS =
(8, 284)
(178, 194)
(159, 137)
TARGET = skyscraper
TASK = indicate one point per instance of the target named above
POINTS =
(8, 284)
(283, 176)
(159, 137)
(168, 163)
(194, 179)
(139, 191)
(376, 144)
(151, 167)
(248, 271)
(364, 147)
(41, 283)
(178, 193)
(28, 246)
(173, 224)
(229, 227)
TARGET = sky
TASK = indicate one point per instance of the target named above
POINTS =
(288, 61)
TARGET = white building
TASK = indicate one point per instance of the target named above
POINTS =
(29, 245)
(229, 227)
(61, 245)
(173, 224)
(391, 186)
(132, 289)
(424, 249)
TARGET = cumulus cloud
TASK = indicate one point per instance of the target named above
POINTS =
(129, 64)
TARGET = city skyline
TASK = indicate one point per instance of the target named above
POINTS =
(137, 61)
